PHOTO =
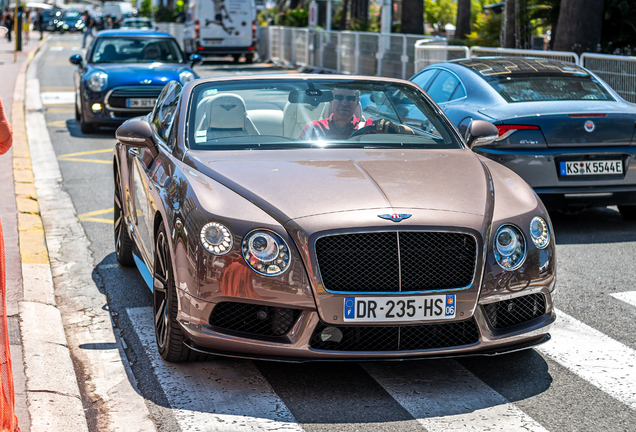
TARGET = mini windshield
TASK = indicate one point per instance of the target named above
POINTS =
(283, 113)
(136, 50)
(549, 88)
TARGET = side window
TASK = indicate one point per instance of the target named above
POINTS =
(443, 86)
(423, 78)
(166, 110)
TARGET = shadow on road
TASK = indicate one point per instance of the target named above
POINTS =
(596, 225)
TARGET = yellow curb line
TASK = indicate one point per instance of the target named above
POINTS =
(30, 228)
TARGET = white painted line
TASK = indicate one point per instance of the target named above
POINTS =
(444, 396)
(223, 395)
(627, 297)
(56, 48)
(58, 98)
(595, 357)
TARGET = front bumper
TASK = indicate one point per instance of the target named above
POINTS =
(108, 115)
(539, 167)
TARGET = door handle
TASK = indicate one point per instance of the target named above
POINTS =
(134, 151)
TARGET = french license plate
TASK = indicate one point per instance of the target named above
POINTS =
(140, 103)
(384, 309)
(213, 41)
(591, 167)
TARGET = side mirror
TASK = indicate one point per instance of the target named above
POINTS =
(480, 133)
(137, 133)
(76, 59)
(196, 59)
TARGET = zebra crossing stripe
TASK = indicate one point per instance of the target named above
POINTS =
(627, 297)
(595, 357)
(224, 395)
(444, 396)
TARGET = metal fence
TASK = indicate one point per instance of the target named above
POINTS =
(428, 54)
(618, 71)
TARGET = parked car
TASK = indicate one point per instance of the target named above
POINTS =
(273, 217)
(50, 18)
(137, 23)
(70, 21)
(561, 128)
(124, 73)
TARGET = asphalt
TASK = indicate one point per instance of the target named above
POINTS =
(45, 399)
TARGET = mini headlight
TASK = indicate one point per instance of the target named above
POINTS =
(539, 232)
(266, 253)
(185, 77)
(97, 81)
(509, 247)
(216, 238)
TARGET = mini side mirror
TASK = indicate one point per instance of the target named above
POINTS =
(480, 133)
(196, 59)
(76, 59)
(137, 133)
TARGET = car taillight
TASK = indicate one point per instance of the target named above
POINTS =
(505, 130)
(197, 29)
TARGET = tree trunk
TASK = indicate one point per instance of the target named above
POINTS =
(343, 18)
(508, 25)
(360, 11)
(413, 16)
(579, 26)
(293, 4)
(463, 19)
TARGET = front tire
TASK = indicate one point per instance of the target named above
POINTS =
(168, 333)
(628, 211)
(78, 116)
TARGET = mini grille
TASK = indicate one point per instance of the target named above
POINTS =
(515, 311)
(253, 319)
(117, 99)
(382, 261)
(399, 338)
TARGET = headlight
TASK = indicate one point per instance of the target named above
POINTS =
(539, 232)
(185, 77)
(216, 238)
(509, 247)
(266, 253)
(97, 81)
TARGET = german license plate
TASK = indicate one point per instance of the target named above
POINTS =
(140, 103)
(591, 167)
(386, 309)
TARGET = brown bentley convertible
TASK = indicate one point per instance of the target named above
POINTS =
(327, 218)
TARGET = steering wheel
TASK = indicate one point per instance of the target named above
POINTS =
(371, 129)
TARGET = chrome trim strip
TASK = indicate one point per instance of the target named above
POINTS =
(399, 263)
(319, 275)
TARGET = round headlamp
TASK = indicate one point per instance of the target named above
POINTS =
(216, 238)
(266, 253)
(509, 247)
(539, 232)
(97, 81)
(185, 77)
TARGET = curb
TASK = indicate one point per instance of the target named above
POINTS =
(53, 394)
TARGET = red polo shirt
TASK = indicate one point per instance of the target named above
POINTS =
(327, 129)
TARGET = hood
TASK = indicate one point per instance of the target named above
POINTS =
(302, 183)
(138, 73)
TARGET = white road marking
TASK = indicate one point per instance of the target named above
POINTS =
(444, 396)
(56, 48)
(57, 98)
(223, 395)
(627, 297)
(595, 357)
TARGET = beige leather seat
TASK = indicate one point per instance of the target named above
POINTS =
(225, 115)
(297, 115)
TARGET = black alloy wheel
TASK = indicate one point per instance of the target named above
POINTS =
(628, 211)
(168, 332)
(123, 242)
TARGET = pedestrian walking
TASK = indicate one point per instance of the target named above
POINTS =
(8, 23)
(26, 25)
(39, 22)
(88, 27)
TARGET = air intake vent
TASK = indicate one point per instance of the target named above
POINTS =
(515, 311)
(253, 319)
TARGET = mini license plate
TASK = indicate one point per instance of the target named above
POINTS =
(140, 103)
(591, 167)
(386, 309)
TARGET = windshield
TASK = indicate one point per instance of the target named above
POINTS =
(72, 16)
(50, 13)
(283, 113)
(136, 50)
(549, 88)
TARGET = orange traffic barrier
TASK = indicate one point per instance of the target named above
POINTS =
(8, 420)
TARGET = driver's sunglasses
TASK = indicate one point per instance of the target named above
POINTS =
(340, 98)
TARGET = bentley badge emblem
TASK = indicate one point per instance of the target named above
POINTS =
(228, 107)
(396, 217)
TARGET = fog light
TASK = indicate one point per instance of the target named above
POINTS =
(261, 315)
(331, 334)
(96, 107)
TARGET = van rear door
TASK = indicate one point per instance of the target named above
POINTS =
(226, 23)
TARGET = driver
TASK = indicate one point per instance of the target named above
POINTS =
(152, 52)
(342, 122)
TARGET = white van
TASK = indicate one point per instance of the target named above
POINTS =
(220, 28)
(119, 9)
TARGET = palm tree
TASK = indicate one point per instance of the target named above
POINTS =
(579, 26)
(413, 16)
(463, 19)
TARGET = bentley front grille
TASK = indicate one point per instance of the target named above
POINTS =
(509, 313)
(253, 319)
(404, 261)
(397, 338)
